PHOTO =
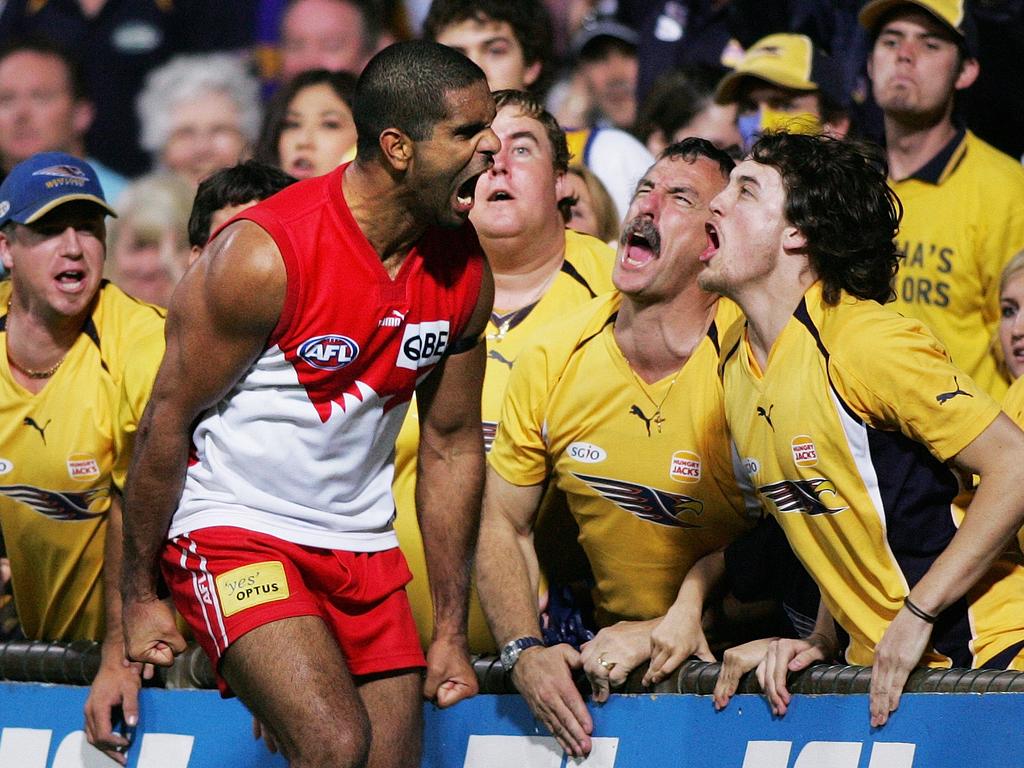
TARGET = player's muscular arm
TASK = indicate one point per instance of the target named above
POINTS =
(449, 483)
(507, 575)
(218, 323)
(117, 682)
(995, 514)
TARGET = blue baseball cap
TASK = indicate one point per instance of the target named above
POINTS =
(36, 186)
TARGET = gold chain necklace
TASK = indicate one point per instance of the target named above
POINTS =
(657, 419)
(506, 322)
(28, 371)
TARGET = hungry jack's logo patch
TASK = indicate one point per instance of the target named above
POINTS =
(804, 452)
(685, 467)
(251, 585)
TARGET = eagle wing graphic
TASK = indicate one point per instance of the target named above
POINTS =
(56, 505)
(801, 496)
(650, 504)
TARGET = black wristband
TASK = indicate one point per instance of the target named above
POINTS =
(910, 606)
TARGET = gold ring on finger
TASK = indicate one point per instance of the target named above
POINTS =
(608, 665)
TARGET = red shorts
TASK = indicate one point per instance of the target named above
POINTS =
(226, 581)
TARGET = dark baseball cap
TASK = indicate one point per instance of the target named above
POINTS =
(36, 186)
(595, 27)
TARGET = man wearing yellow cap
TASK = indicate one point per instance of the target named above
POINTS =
(784, 83)
(963, 200)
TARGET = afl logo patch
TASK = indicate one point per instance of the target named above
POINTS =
(6, 465)
(685, 467)
(804, 452)
(330, 352)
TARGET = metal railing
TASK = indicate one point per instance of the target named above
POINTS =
(76, 664)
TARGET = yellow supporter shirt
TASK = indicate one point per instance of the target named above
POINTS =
(846, 436)
(1013, 403)
(586, 273)
(57, 454)
(963, 219)
(650, 496)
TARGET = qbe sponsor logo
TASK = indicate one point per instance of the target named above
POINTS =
(329, 352)
(423, 344)
(834, 754)
(6, 466)
(83, 466)
(804, 452)
(685, 467)
(588, 453)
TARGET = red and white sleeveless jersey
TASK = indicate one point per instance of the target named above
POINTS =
(302, 447)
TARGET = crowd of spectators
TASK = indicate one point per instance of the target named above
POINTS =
(161, 98)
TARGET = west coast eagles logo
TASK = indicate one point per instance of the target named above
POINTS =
(57, 505)
(802, 496)
(62, 171)
(63, 175)
(650, 504)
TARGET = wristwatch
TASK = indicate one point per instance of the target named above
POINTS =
(510, 651)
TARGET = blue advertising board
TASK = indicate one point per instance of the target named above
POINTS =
(41, 727)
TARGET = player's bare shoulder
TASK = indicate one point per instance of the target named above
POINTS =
(241, 276)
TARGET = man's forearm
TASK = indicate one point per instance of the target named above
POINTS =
(993, 517)
(113, 636)
(507, 591)
(155, 481)
(449, 486)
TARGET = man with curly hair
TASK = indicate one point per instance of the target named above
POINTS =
(852, 423)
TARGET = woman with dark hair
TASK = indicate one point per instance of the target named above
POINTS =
(309, 129)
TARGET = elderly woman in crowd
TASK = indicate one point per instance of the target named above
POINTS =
(149, 246)
(199, 113)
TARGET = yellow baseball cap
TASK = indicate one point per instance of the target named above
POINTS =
(785, 60)
(952, 14)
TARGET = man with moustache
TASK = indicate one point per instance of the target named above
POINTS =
(262, 477)
(620, 405)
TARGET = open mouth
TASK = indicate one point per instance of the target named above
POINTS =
(641, 243)
(499, 196)
(713, 243)
(466, 193)
(71, 280)
(1018, 355)
(301, 167)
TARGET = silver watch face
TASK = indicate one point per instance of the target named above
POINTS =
(509, 653)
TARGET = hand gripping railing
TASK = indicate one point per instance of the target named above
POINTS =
(76, 663)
